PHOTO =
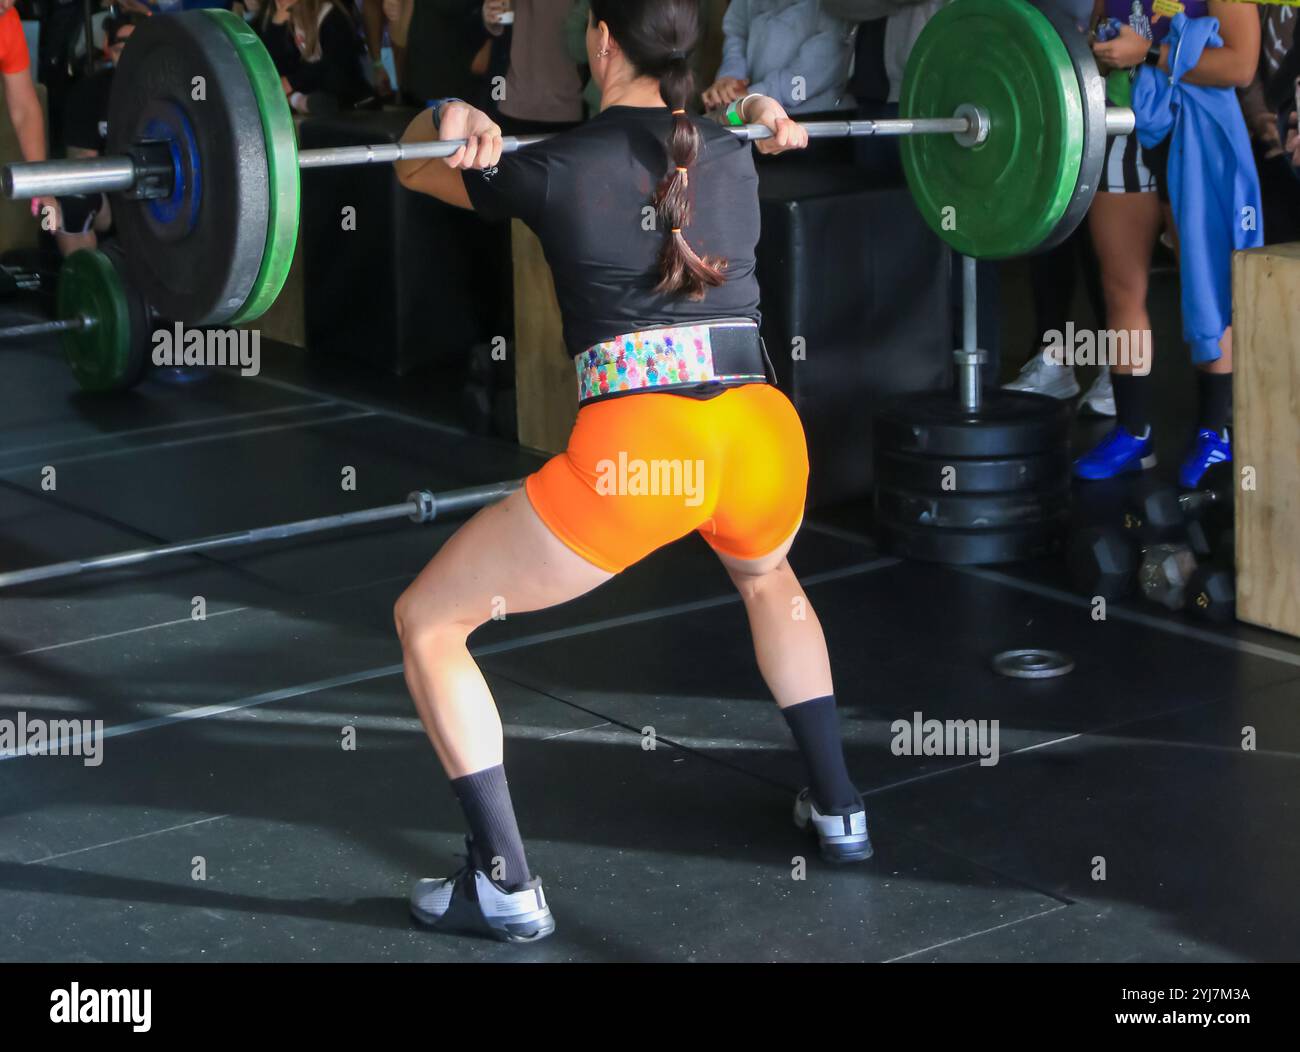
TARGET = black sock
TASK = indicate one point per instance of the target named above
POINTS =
(1215, 391)
(485, 798)
(816, 728)
(1132, 402)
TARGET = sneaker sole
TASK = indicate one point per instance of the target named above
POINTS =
(843, 857)
(836, 855)
(1145, 464)
(474, 923)
(1063, 394)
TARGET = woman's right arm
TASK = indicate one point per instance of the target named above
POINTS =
(441, 177)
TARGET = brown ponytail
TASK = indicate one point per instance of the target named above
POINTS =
(656, 36)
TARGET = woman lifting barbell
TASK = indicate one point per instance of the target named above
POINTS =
(654, 274)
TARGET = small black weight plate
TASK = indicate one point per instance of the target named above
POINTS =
(195, 257)
(973, 547)
(1092, 88)
(922, 474)
(970, 511)
(1009, 424)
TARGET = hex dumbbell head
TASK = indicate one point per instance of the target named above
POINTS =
(1102, 561)
(1212, 593)
(1153, 513)
(1165, 573)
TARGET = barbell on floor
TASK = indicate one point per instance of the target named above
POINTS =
(47, 328)
(420, 506)
(1003, 141)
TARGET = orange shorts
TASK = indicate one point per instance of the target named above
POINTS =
(646, 469)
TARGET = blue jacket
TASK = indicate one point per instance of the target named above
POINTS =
(779, 44)
(1213, 182)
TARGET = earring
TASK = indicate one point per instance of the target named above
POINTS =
(603, 53)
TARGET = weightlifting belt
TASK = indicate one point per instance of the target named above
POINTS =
(720, 353)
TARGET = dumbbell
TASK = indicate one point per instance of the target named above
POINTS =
(1105, 561)
(1102, 560)
(1212, 593)
(1160, 514)
(1166, 573)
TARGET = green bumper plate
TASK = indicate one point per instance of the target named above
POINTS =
(282, 164)
(102, 355)
(1006, 196)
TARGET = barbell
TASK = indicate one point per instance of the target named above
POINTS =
(1003, 142)
(420, 507)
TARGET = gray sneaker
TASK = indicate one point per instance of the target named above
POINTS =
(1100, 398)
(1045, 377)
(841, 838)
(469, 902)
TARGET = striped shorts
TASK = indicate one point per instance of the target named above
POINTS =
(1130, 169)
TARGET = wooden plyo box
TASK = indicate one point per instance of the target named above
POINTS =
(545, 383)
(1266, 435)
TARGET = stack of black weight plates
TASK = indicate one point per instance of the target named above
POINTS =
(973, 488)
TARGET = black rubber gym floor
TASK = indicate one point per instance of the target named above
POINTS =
(225, 736)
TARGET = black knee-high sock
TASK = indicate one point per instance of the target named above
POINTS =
(485, 798)
(1132, 402)
(1215, 391)
(816, 728)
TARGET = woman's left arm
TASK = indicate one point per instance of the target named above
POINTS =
(1230, 66)
(1234, 64)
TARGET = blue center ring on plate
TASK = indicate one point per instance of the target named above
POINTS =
(176, 215)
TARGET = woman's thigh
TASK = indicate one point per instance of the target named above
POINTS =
(503, 561)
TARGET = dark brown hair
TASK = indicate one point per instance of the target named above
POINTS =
(657, 36)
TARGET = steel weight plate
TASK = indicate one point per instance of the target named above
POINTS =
(1033, 664)
(1007, 195)
(198, 264)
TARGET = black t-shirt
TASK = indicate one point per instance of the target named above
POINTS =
(586, 194)
(85, 121)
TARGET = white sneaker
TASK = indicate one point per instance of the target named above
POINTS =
(1041, 376)
(1100, 398)
(469, 901)
(841, 838)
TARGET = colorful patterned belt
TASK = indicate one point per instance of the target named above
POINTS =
(726, 352)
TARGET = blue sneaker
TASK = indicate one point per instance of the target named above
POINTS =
(1210, 448)
(1117, 454)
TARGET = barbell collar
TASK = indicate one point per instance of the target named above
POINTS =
(1120, 120)
(85, 175)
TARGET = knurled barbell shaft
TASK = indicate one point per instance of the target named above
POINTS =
(45, 328)
(420, 506)
(110, 174)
